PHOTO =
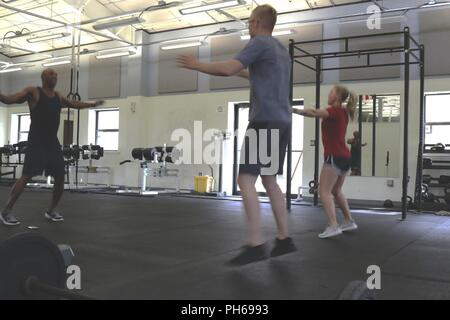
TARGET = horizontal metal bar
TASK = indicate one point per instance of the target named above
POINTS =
(436, 124)
(343, 54)
(350, 53)
(368, 66)
(302, 50)
(351, 37)
(305, 65)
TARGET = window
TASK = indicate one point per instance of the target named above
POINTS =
(23, 127)
(107, 129)
(387, 108)
(437, 118)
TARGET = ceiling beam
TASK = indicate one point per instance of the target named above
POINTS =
(63, 24)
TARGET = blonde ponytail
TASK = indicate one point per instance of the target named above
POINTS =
(351, 105)
(349, 99)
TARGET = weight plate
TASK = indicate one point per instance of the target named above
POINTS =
(25, 255)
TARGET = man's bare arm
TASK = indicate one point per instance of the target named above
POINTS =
(311, 113)
(19, 97)
(225, 68)
(73, 104)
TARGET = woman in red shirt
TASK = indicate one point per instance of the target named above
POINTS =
(341, 108)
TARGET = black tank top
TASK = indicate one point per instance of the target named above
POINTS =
(45, 117)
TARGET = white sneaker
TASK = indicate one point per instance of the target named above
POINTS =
(54, 216)
(348, 226)
(8, 219)
(330, 232)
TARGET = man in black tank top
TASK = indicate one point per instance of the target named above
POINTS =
(356, 145)
(44, 151)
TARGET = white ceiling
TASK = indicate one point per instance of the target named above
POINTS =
(47, 17)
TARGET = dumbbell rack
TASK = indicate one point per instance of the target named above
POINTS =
(73, 154)
(8, 151)
(434, 182)
(7, 164)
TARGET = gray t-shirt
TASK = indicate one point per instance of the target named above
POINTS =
(269, 66)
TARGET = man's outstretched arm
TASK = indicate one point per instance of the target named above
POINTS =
(73, 104)
(19, 97)
(225, 68)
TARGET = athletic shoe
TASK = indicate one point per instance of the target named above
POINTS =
(348, 226)
(249, 255)
(9, 219)
(284, 246)
(330, 232)
(54, 216)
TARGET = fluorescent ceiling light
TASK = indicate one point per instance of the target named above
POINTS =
(276, 33)
(224, 31)
(48, 37)
(433, 3)
(212, 6)
(181, 45)
(163, 5)
(118, 23)
(10, 70)
(390, 19)
(56, 63)
(114, 54)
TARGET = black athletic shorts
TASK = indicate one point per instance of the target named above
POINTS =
(340, 164)
(48, 159)
(259, 154)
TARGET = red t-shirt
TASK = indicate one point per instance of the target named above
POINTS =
(334, 129)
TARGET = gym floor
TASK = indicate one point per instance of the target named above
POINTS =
(175, 248)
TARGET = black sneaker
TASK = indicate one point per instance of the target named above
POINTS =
(54, 216)
(284, 246)
(9, 219)
(249, 255)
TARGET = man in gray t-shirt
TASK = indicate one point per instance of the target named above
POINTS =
(267, 135)
(269, 65)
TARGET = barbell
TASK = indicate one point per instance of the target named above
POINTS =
(357, 290)
(34, 268)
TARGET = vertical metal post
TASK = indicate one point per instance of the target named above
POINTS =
(405, 125)
(419, 176)
(360, 115)
(78, 144)
(223, 137)
(70, 96)
(374, 133)
(235, 153)
(317, 133)
(289, 149)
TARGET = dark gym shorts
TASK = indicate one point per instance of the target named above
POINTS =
(39, 159)
(256, 152)
(340, 164)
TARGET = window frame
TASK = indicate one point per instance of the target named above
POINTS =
(19, 119)
(97, 130)
(430, 125)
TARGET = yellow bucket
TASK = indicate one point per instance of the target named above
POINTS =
(203, 184)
